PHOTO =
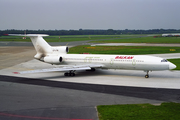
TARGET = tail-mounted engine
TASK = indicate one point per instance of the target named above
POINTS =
(52, 59)
(60, 50)
(55, 51)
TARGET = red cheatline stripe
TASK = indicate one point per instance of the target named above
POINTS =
(16, 72)
(33, 117)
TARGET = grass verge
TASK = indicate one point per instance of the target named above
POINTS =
(166, 111)
(127, 50)
(161, 40)
(67, 38)
(100, 39)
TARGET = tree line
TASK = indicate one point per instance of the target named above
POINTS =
(89, 32)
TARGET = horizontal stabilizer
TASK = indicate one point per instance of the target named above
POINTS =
(29, 35)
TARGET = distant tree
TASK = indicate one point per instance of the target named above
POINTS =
(89, 32)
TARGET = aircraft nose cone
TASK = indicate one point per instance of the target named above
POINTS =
(172, 66)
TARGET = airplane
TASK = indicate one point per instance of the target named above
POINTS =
(70, 63)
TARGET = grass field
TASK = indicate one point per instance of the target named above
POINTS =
(142, 40)
(131, 50)
(68, 38)
(100, 39)
(166, 111)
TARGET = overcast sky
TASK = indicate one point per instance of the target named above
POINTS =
(89, 14)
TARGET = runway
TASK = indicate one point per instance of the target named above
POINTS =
(52, 95)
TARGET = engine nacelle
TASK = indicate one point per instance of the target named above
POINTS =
(60, 50)
(53, 59)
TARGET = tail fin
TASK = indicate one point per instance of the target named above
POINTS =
(41, 46)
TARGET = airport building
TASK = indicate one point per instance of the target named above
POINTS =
(171, 35)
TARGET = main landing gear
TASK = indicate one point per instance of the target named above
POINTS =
(70, 73)
(147, 75)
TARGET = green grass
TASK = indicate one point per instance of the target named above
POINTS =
(14, 38)
(166, 111)
(67, 38)
(142, 40)
(100, 39)
(131, 50)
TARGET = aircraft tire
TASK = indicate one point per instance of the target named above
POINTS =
(69, 74)
(146, 76)
(72, 74)
(66, 74)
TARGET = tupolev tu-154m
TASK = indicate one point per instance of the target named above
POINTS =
(74, 62)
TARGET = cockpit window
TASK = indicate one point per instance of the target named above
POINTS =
(164, 60)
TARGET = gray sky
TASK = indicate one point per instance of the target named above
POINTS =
(89, 14)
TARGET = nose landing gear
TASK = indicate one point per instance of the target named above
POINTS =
(147, 75)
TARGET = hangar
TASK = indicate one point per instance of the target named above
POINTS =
(171, 35)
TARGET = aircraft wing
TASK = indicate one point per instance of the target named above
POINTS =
(67, 68)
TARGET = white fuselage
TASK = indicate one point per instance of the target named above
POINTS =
(130, 62)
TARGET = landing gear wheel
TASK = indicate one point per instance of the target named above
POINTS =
(72, 74)
(93, 69)
(146, 76)
(69, 74)
(66, 74)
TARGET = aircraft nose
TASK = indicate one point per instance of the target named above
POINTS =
(171, 66)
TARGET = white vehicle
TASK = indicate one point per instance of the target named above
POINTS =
(58, 56)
